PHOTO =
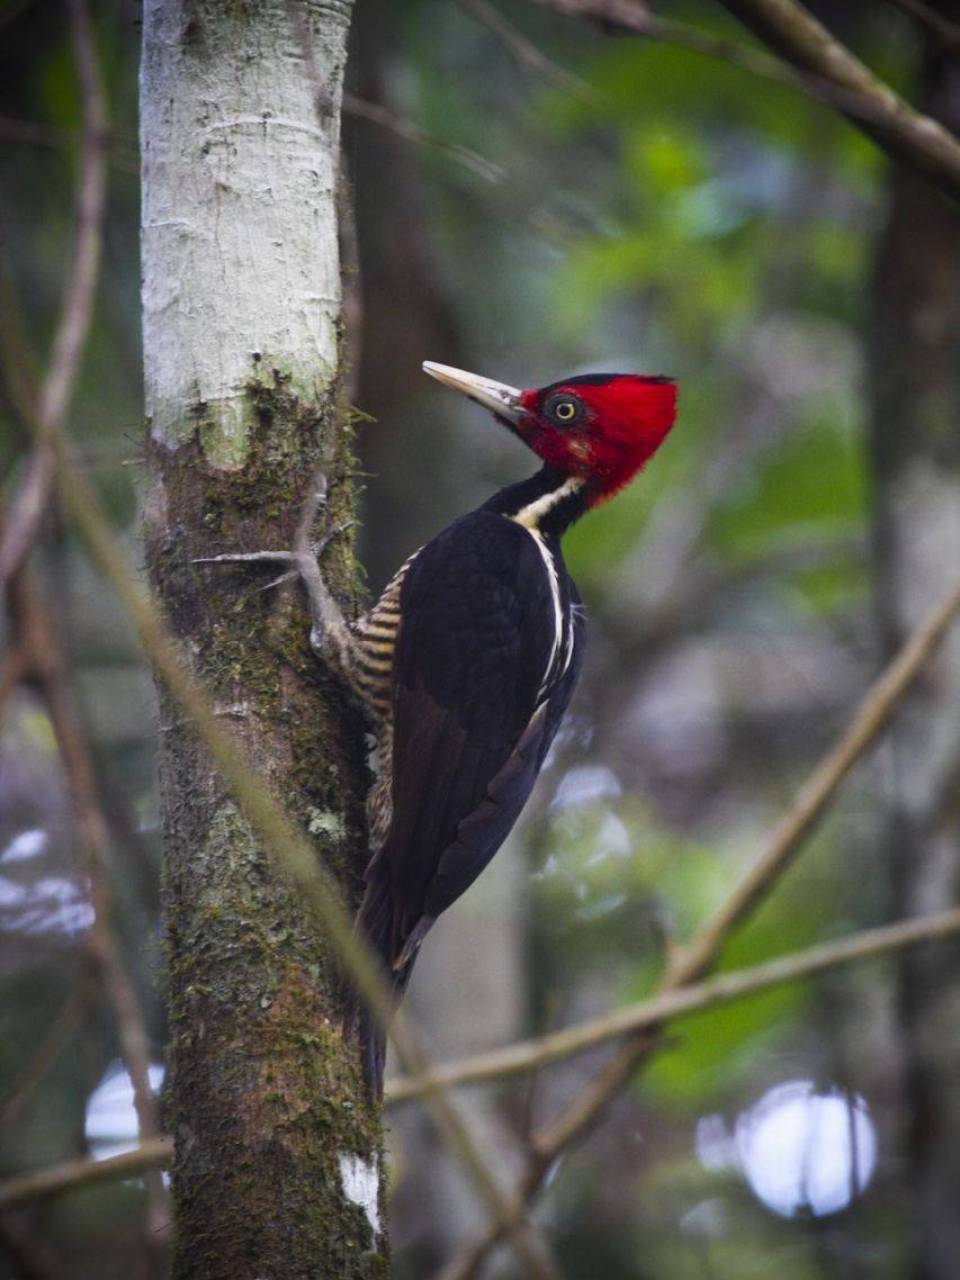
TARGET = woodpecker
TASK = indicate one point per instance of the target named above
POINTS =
(466, 663)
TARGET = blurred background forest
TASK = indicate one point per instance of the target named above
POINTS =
(534, 196)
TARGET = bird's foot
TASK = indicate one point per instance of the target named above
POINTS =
(330, 636)
(258, 557)
(278, 557)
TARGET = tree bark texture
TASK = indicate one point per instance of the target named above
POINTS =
(277, 1168)
(915, 444)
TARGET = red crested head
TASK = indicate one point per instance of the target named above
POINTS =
(601, 426)
(604, 426)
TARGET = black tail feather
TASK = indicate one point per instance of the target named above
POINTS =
(373, 1037)
(377, 925)
(373, 1050)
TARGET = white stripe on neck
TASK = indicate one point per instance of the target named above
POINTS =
(531, 515)
(529, 518)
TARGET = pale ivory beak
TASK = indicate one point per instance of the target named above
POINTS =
(500, 399)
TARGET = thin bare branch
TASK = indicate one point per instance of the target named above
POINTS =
(381, 115)
(816, 64)
(26, 513)
(691, 962)
(43, 411)
(36, 632)
(77, 308)
(870, 718)
(636, 18)
(869, 944)
(905, 134)
(525, 53)
(945, 32)
(84, 1173)
(61, 1031)
(81, 286)
(37, 628)
(531, 1055)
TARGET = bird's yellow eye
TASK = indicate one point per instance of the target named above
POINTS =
(563, 409)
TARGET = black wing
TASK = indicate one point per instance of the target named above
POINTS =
(473, 714)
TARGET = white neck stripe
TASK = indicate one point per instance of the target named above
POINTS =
(531, 515)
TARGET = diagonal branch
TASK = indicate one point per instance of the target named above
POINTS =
(527, 55)
(37, 631)
(869, 944)
(945, 32)
(531, 1055)
(83, 1173)
(70, 1017)
(77, 308)
(377, 113)
(810, 60)
(905, 134)
(690, 963)
(634, 17)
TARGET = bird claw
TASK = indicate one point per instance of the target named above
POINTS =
(337, 530)
(330, 635)
(315, 549)
(258, 557)
(290, 576)
(248, 557)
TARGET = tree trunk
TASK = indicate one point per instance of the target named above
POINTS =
(915, 391)
(277, 1169)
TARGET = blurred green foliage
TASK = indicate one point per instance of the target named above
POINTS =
(676, 215)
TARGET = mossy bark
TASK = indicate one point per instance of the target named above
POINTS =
(265, 1098)
(278, 1167)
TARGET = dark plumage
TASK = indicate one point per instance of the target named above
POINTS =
(474, 712)
(469, 659)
